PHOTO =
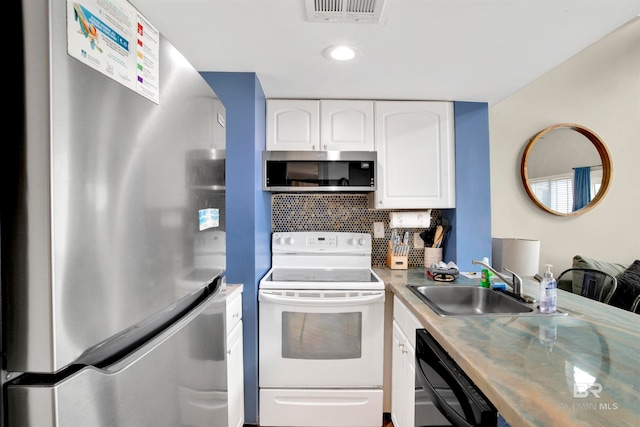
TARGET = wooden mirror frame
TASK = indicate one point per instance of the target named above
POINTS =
(607, 167)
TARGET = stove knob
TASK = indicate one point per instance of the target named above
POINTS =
(290, 241)
(362, 241)
(279, 241)
(352, 242)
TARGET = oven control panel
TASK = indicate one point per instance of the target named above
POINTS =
(310, 242)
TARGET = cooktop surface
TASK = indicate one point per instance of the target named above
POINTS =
(321, 278)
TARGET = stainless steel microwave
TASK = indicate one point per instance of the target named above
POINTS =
(312, 171)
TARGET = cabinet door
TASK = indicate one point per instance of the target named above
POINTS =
(403, 365)
(235, 377)
(409, 374)
(402, 380)
(415, 145)
(293, 124)
(396, 376)
(346, 125)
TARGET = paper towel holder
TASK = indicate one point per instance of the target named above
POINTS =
(410, 219)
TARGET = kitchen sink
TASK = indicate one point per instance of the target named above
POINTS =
(472, 301)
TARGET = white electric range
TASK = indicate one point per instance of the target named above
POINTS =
(321, 328)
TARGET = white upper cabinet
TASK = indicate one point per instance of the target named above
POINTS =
(416, 160)
(307, 125)
(346, 125)
(293, 124)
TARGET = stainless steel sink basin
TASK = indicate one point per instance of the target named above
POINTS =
(471, 301)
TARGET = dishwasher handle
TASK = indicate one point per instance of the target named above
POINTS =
(278, 298)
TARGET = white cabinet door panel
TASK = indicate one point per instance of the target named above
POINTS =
(235, 374)
(308, 125)
(235, 359)
(415, 145)
(403, 365)
(346, 125)
(293, 124)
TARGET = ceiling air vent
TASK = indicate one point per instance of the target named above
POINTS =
(345, 10)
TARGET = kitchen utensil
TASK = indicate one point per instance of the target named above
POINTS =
(427, 236)
(437, 239)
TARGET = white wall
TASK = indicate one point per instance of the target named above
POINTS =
(598, 88)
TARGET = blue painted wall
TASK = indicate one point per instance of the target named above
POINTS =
(471, 219)
(248, 208)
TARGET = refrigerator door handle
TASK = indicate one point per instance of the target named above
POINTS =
(162, 336)
(112, 350)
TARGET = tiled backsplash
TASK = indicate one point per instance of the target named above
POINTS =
(339, 212)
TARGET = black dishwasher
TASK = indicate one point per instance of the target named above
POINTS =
(440, 383)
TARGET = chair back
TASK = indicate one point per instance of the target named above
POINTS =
(594, 284)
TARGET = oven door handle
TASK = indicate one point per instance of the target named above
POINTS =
(334, 302)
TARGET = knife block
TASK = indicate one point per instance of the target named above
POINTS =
(396, 262)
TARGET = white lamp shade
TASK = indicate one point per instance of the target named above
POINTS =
(522, 256)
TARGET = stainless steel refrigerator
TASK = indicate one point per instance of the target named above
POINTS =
(113, 235)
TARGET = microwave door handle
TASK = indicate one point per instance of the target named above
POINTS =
(337, 302)
(441, 403)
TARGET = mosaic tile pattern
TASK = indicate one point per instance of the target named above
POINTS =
(340, 212)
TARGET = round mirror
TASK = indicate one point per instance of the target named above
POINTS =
(566, 169)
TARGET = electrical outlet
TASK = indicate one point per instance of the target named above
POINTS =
(378, 230)
(418, 243)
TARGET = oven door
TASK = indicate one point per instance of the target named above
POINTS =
(321, 338)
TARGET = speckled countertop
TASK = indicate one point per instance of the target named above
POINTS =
(530, 383)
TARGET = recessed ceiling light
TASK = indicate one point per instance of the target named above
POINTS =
(341, 52)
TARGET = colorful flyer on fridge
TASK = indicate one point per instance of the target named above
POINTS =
(208, 218)
(111, 36)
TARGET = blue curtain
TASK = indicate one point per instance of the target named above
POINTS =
(581, 187)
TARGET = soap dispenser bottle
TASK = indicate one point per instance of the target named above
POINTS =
(548, 292)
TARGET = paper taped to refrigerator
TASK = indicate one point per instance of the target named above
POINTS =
(209, 218)
(111, 36)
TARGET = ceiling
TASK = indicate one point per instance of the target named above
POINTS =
(463, 50)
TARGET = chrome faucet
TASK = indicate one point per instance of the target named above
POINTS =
(515, 282)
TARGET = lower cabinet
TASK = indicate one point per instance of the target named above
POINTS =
(235, 362)
(403, 365)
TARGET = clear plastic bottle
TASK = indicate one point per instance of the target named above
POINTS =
(548, 292)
